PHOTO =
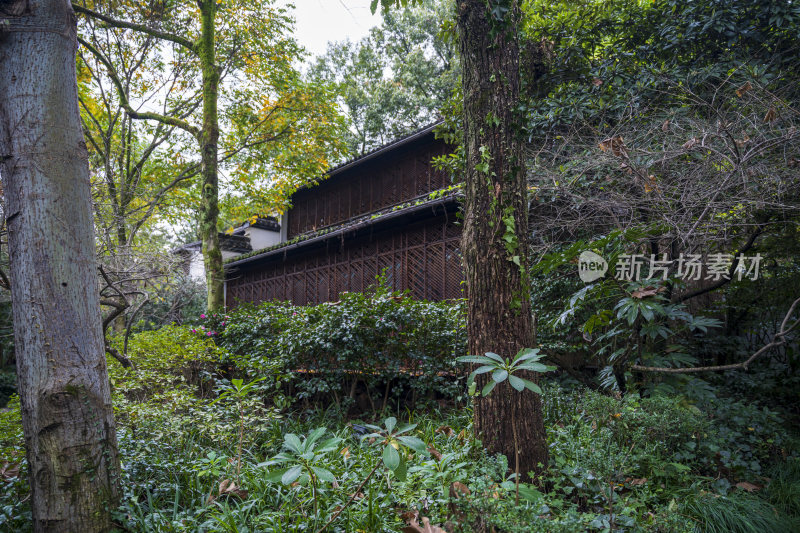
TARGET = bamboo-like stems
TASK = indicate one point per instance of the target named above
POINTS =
(241, 437)
(516, 450)
(352, 498)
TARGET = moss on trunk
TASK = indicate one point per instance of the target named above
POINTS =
(495, 237)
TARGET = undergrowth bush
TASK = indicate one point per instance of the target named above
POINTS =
(783, 490)
(13, 469)
(377, 337)
(738, 512)
(716, 437)
(668, 462)
(171, 365)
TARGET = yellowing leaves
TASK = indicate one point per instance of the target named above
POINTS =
(650, 184)
(615, 145)
(771, 115)
(743, 89)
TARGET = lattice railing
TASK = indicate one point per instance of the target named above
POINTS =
(423, 258)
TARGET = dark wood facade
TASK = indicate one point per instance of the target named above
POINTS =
(372, 215)
(354, 189)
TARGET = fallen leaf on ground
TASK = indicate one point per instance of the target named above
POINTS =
(446, 431)
(435, 453)
(749, 487)
(414, 526)
(407, 516)
(9, 471)
(229, 488)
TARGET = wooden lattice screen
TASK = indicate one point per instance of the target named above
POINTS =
(422, 257)
(369, 187)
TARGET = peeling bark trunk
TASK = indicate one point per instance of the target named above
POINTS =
(66, 403)
(495, 237)
(209, 138)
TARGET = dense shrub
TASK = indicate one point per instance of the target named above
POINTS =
(717, 437)
(171, 366)
(660, 461)
(371, 338)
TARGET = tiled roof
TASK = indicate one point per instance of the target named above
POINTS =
(229, 243)
(384, 148)
(376, 152)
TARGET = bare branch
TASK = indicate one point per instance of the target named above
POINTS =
(779, 339)
(722, 281)
(118, 309)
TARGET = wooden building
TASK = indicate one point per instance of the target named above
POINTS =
(386, 211)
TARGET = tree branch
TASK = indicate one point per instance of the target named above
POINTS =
(778, 339)
(184, 175)
(123, 98)
(113, 352)
(177, 39)
(118, 309)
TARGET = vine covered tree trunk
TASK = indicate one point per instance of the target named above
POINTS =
(495, 236)
(209, 138)
(63, 384)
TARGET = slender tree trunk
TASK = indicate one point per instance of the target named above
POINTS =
(495, 237)
(66, 404)
(209, 137)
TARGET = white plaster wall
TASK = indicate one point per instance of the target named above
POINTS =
(262, 238)
(197, 270)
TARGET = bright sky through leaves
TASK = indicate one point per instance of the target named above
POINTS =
(321, 21)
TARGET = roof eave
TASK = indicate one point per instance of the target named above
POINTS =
(384, 149)
(345, 228)
(377, 152)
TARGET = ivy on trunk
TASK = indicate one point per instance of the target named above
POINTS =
(495, 237)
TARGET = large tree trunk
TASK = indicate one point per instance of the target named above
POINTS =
(495, 237)
(209, 137)
(66, 404)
